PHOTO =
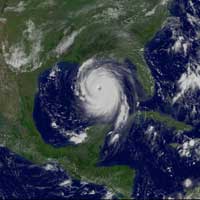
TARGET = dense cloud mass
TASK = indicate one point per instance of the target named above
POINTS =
(71, 98)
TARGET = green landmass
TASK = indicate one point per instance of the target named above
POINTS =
(192, 193)
(80, 161)
(166, 119)
(108, 28)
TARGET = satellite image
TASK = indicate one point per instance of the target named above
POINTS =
(99, 99)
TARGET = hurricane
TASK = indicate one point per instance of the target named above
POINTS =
(73, 97)
(100, 91)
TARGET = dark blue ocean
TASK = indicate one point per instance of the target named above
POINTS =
(21, 179)
(160, 169)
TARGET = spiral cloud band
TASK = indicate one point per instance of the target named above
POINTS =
(101, 92)
(72, 98)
